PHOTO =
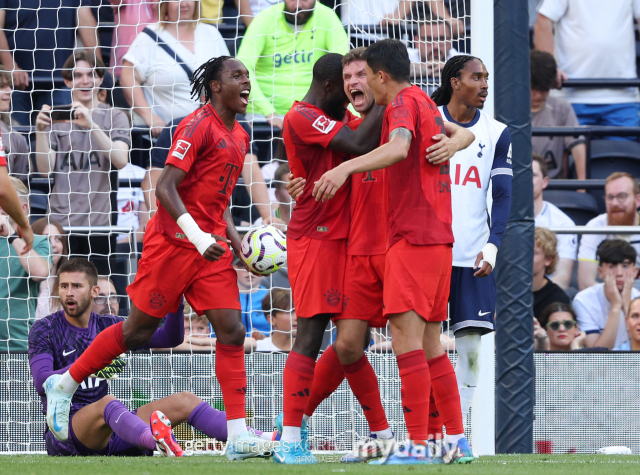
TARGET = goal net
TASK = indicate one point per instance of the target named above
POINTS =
(97, 178)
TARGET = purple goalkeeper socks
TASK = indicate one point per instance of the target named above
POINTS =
(128, 426)
(209, 421)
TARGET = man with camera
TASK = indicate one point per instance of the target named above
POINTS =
(79, 145)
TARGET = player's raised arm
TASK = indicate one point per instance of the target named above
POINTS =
(362, 140)
(167, 194)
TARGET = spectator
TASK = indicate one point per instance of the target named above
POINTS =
(545, 258)
(35, 41)
(433, 48)
(632, 321)
(550, 111)
(249, 9)
(282, 316)
(281, 195)
(251, 295)
(558, 329)
(211, 11)
(79, 155)
(130, 18)
(622, 199)
(548, 215)
(107, 302)
(594, 40)
(157, 69)
(280, 48)
(15, 145)
(48, 297)
(602, 308)
(196, 333)
(20, 276)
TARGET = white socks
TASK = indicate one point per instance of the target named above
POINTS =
(467, 369)
(291, 434)
(235, 427)
(453, 439)
(305, 418)
(67, 384)
(383, 434)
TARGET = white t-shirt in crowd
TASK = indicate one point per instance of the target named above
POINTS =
(553, 217)
(589, 242)
(129, 198)
(258, 5)
(414, 54)
(592, 308)
(166, 86)
(366, 12)
(595, 39)
(266, 346)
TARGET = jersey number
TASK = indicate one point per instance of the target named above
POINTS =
(226, 179)
(369, 178)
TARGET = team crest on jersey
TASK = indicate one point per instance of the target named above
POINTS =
(323, 124)
(181, 149)
(333, 297)
(399, 113)
(481, 147)
(156, 300)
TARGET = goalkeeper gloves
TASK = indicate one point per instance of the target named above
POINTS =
(113, 370)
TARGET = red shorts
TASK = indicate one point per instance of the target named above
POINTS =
(363, 278)
(418, 278)
(316, 274)
(166, 272)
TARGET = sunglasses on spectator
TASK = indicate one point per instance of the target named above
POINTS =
(113, 299)
(567, 324)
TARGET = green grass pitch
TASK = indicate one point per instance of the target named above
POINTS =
(196, 465)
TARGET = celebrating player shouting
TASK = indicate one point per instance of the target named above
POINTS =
(99, 423)
(487, 161)
(418, 260)
(184, 253)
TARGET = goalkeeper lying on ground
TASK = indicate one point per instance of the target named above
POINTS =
(99, 424)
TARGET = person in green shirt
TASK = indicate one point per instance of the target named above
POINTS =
(280, 48)
(20, 276)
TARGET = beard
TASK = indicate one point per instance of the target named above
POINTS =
(627, 218)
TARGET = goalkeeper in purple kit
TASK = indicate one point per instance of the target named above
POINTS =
(99, 424)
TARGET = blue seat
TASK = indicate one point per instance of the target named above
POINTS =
(581, 207)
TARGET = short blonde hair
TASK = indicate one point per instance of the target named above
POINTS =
(163, 8)
(21, 189)
(548, 242)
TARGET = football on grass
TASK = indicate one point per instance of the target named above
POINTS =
(264, 249)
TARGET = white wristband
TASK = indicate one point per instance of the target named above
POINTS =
(489, 254)
(197, 236)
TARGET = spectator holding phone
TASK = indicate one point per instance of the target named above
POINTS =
(79, 146)
(557, 329)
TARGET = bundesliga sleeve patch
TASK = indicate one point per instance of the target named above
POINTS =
(324, 124)
(182, 147)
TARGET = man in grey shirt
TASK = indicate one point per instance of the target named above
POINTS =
(549, 111)
(80, 155)
(15, 145)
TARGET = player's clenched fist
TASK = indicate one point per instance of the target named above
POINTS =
(329, 184)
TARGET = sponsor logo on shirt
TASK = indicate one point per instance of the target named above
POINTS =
(323, 124)
(297, 57)
(182, 147)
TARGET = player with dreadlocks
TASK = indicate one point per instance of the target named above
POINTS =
(484, 165)
(185, 253)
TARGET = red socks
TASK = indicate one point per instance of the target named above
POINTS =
(103, 349)
(446, 394)
(327, 377)
(364, 384)
(435, 421)
(232, 378)
(297, 380)
(416, 387)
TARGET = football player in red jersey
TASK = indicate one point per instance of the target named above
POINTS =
(317, 139)
(185, 253)
(418, 264)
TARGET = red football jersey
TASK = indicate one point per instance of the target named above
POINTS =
(369, 196)
(3, 158)
(213, 158)
(419, 192)
(307, 133)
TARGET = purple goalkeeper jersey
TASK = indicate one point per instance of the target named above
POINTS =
(54, 344)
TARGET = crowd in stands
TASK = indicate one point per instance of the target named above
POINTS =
(91, 92)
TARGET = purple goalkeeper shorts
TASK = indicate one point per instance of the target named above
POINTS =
(73, 447)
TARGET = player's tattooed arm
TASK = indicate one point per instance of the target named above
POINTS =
(403, 134)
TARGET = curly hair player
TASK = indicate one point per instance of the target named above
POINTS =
(184, 240)
(419, 254)
(99, 424)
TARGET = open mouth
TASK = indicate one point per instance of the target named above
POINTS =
(244, 96)
(357, 96)
(71, 304)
